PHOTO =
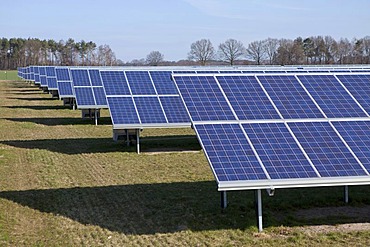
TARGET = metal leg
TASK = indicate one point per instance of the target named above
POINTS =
(223, 200)
(346, 193)
(259, 209)
(96, 117)
(137, 140)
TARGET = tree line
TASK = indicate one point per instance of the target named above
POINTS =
(314, 50)
(19, 52)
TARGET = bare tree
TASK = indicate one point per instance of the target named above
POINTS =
(231, 50)
(154, 58)
(270, 47)
(201, 51)
(344, 51)
(106, 56)
(256, 51)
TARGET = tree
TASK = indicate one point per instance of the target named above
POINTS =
(231, 50)
(154, 58)
(256, 51)
(270, 47)
(201, 51)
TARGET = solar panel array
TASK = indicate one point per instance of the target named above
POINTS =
(276, 130)
(138, 99)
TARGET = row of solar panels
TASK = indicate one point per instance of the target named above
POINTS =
(136, 98)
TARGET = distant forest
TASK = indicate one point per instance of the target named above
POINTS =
(315, 50)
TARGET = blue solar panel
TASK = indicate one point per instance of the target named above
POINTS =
(184, 72)
(42, 70)
(163, 83)
(115, 83)
(50, 71)
(84, 96)
(204, 98)
(52, 83)
(140, 83)
(122, 110)
(357, 136)
(326, 150)
(99, 94)
(247, 97)
(252, 72)
(149, 110)
(230, 71)
(62, 74)
(289, 97)
(174, 109)
(229, 153)
(65, 89)
(43, 81)
(359, 86)
(80, 77)
(95, 77)
(37, 79)
(331, 96)
(278, 151)
(207, 72)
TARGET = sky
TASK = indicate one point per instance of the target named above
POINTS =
(134, 28)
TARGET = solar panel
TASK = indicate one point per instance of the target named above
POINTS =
(62, 74)
(357, 136)
(174, 109)
(247, 97)
(229, 152)
(298, 148)
(331, 96)
(36, 74)
(205, 99)
(278, 151)
(140, 83)
(163, 83)
(80, 77)
(326, 150)
(359, 86)
(149, 110)
(52, 83)
(289, 97)
(65, 89)
(100, 97)
(95, 77)
(122, 116)
(115, 83)
(84, 97)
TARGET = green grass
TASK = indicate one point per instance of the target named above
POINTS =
(64, 182)
(8, 75)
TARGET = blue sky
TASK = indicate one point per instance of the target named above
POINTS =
(134, 28)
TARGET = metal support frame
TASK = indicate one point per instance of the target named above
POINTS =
(346, 194)
(223, 199)
(96, 116)
(259, 210)
(138, 141)
(127, 138)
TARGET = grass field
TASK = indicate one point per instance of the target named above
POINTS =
(8, 75)
(64, 182)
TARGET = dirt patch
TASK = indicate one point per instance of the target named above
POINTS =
(357, 213)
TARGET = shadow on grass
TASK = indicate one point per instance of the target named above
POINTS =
(169, 207)
(63, 121)
(33, 99)
(39, 107)
(106, 145)
(136, 209)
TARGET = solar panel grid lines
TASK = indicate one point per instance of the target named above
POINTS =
(95, 78)
(326, 150)
(65, 89)
(99, 96)
(247, 98)
(129, 116)
(357, 135)
(149, 110)
(278, 151)
(331, 96)
(359, 87)
(52, 83)
(115, 82)
(163, 83)
(80, 77)
(235, 159)
(62, 74)
(140, 82)
(359, 105)
(84, 97)
(174, 109)
(198, 91)
(290, 98)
